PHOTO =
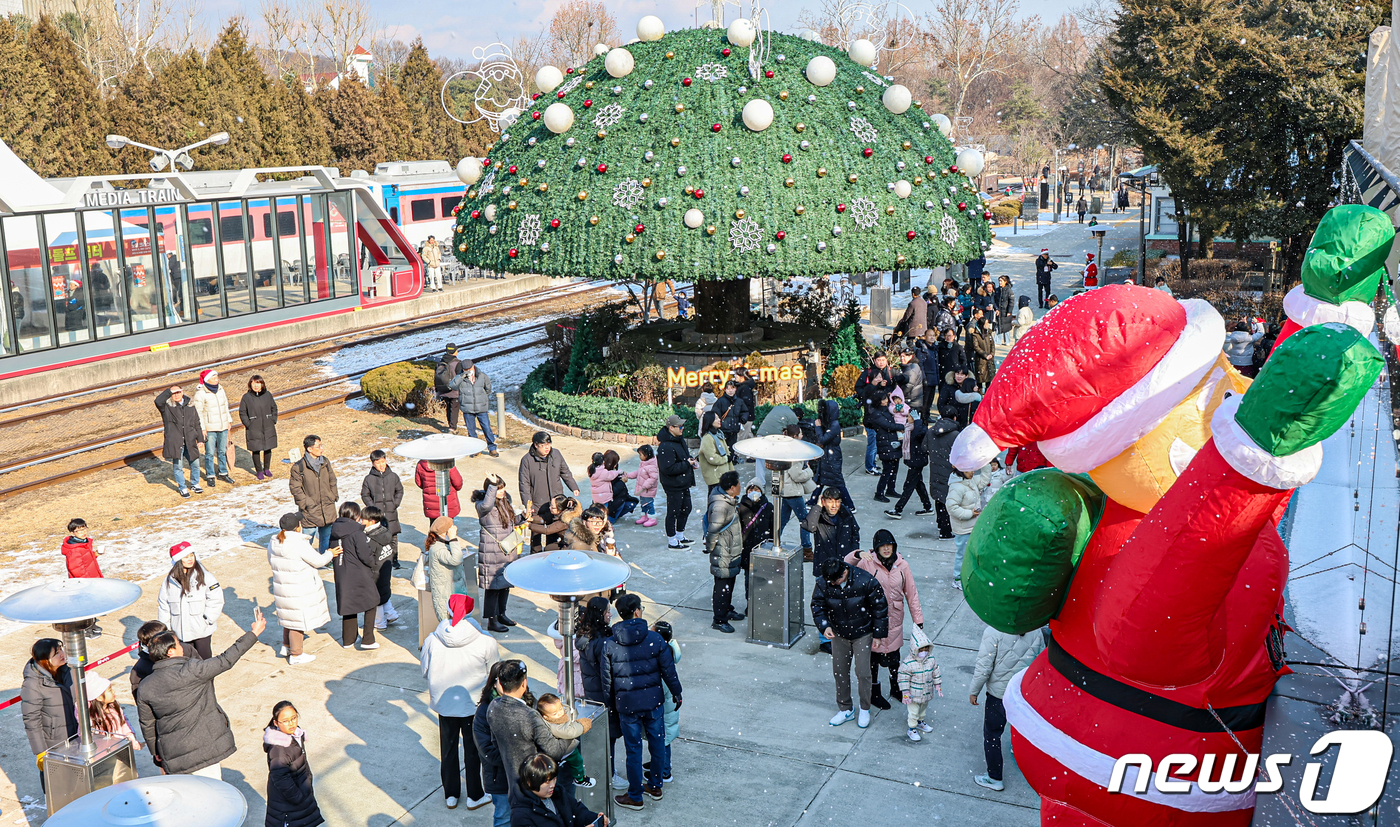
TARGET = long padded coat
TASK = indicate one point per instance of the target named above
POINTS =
(297, 590)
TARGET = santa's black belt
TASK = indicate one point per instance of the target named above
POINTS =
(1144, 703)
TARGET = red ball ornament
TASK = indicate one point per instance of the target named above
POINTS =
(962, 205)
(639, 229)
(987, 216)
(554, 223)
(787, 158)
(685, 81)
(928, 159)
(780, 235)
(512, 169)
(911, 235)
(476, 214)
(715, 128)
(953, 169)
(602, 168)
(569, 71)
(535, 115)
(768, 74)
(587, 104)
(840, 208)
(867, 152)
(560, 95)
(514, 252)
(699, 194)
(535, 96)
(724, 51)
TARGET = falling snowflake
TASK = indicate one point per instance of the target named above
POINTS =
(874, 78)
(608, 115)
(628, 193)
(569, 86)
(948, 229)
(745, 235)
(863, 130)
(711, 72)
(529, 230)
(488, 184)
(863, 212)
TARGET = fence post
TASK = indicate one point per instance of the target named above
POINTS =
(500, 416)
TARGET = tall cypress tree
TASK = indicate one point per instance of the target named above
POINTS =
(80, 119)
(26, 102)
(358, 139)
(306, 124)
(420, 84)
(403, 141)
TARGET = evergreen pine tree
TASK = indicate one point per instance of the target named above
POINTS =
(402, 141)
(308, 125)
(583, 354)
(420, 84)
(26, 101)
(357, 134)
(80, 119)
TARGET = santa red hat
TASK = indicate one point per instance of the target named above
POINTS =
(204, 374)
(180, 551)
(1094, 377)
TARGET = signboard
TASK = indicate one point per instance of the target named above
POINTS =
(131, 198)
(680, 377)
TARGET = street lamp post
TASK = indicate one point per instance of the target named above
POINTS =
(176, 158)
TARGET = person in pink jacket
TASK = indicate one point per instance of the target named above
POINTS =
(105, 713)
(647, 481)
(897, 580)
(608, 485)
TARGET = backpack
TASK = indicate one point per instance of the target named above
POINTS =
(442, 377)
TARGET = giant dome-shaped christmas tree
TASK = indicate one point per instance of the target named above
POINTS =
(672, 158)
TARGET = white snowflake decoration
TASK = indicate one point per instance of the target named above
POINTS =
(569, 86)
(863, 130)
(529, 230)
(948, 229)
(864, 213)
(874, 78)
(628, 193)
(488, 184)
(745, 235)
(608, 115)
(711, 72)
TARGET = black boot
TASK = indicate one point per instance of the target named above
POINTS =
(876, 699)
(896, 695)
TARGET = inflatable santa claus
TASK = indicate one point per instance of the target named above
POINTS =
(1151, 547)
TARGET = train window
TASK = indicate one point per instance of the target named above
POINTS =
(423, 209)
(394, 214)
(449, 204)
(286, 224)
(201, 232)
(230, 228)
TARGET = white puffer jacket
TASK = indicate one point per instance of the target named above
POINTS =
(212, 409)
(964, 501)
(456, 662)
(797, 480)
(298, 592)
(190, 616)
(1000, 657)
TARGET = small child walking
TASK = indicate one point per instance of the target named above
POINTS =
(647, 480)
(80, 557)
(918, 679)
(609, 485)
(670, 714)
(564, 724)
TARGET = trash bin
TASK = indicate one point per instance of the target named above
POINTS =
(880, 306)
(1096, 204)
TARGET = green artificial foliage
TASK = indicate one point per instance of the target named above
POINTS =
(627, 174)
(847, 347)
(583, 354)
(403, 388)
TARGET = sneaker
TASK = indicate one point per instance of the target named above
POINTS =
(196, 489)
(914, 734)
(665, 779)
(923, 512)
(452, 802)
(735, 615)
(392, 615)
(226, 478)
(989, 782)
(880, 498)
(675, 545)
(184, 492)
(923, 727)
(282, 652)
(618, 782)
(863, 720)
(93, 633)
(627, 802)
(209, 481)
(298, 660)
(894, 514)
(870, 472)
(586, 784)
(654, 793)
(369, 645)
(825, 647)
(686, 542)
(380, 625)
(493, 452)
(476, 803)
(842, 717)
(957, 584)
(722, 627)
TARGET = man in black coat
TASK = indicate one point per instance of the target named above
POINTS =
(947, 316)
(848, 606)
(911, 379)
(182, 436)
(834, 530)
(1043, 268)
(636, 662)
(383, 489)
(942, 433)
(874, 380)
(676, 470)
(730, 407)
(181, 720)
(914, 480)
(544, 474)
(830, 472)
(747, 391)
(447, 369)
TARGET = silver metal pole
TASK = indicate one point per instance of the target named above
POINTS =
(442, 472)
(777, 510)
(500, 416)
(75, 642)
(566, 631)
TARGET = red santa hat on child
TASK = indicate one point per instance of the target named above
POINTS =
(1094, 377)
(180, 551)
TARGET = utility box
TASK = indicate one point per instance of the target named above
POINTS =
(595, 747)
(776, 599)
(1096, 204)
(880, 306)
(69, 774)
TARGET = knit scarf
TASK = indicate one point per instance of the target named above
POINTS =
(210, 388)
(314, 463)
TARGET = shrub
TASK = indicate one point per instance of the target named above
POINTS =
(597, 413)
(843, 381)
(648, 385)
(1004, 212)
(403, 388)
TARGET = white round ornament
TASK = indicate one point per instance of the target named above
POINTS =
(600, 49)
(650, 28)
(821, 70)
(863, 52)
(903, 188)
(558, 118)
(548, 79)
(970, 162)
(469, 171)
(897, 99)
(944, 125)
(758, 114)
(741, 33)
(619, 63)
(694, 218)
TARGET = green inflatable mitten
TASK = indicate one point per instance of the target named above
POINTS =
(1025, 547)
(1345, 260)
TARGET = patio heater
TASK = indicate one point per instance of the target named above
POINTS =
(566, 576)
(441, 452)
(775, 576)
(1103, 269)
(158, 801)
(89, 761)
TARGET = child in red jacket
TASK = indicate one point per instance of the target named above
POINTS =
(80, 555)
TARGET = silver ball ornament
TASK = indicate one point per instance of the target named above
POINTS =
(836, 230)
(805, 145)
(568, 142)
(662, 202)
(642, 118)
(821, 246)
(617, 259)
(772, 248)
(648, 84)
(811, 98)
(681, 170)
(544, 248)
(735, 161)
(744, 191)
(648, 155)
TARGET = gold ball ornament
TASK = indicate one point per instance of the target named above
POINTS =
(631, 238)
(544, 187)
(511, 205)
(524, 182)
(889, 210)
(783, 95)
(593, 220)
(680, 107)
(710, 230)
(689, 189)
(800, 127)
(583, 195)
(799, 209)
(602, 133)
(675, 142)
(646, 182)
(670, 55)
(789, 182)
(918, 104)
(498, 165)
(821, 172)
(739, 214)
(860, 90)
(660, 255)
(852, 178)
(906, 145)
(899, 260)
(588, 85)
(462, 248)
(918, 179)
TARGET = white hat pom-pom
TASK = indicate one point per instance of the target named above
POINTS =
(973, 449)
(1391, 324)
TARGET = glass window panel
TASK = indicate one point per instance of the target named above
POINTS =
(174, 245)
(203, 267)
(234, 253)
(200, 231)
(263, 282)
(105, 283)
(70, 289)
(314, 238)
(29, 316)
(380, 257)
(449, 204)
(342, 244)
(423, 210)
(141, 275)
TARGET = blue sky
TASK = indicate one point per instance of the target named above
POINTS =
(451, 28)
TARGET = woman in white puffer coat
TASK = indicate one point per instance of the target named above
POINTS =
(964, 503)
(298, 592)
(190, 600)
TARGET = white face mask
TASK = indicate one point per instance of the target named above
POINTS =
(755, 495)
(922, 655)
